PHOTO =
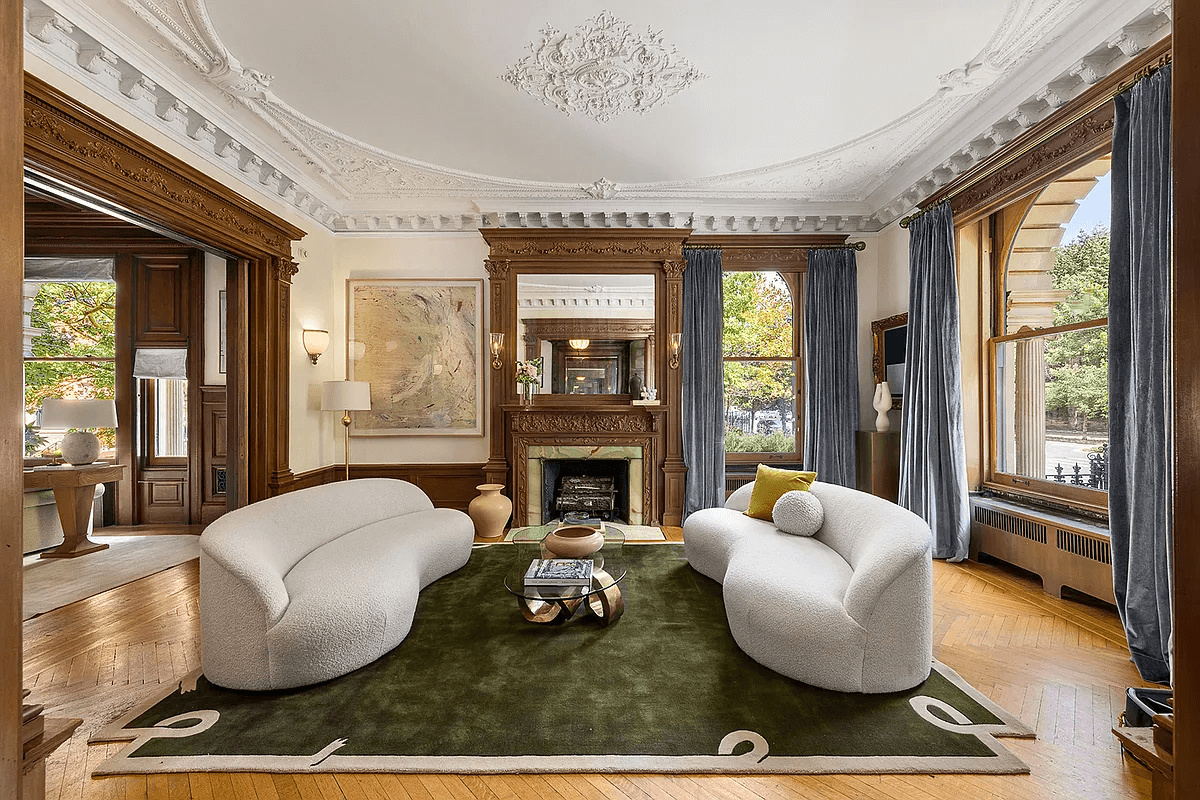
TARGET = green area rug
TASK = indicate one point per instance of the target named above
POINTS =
(476, 688)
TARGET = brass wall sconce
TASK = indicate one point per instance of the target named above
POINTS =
(676, 343)
(496, 341)
(579, 344)
(315, 342)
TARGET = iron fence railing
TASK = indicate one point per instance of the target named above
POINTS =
(1096, 476)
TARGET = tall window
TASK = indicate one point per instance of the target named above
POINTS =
(72, 354)
(763, 369)
(1050, 367)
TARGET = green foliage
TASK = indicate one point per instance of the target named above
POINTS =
(737, 441)
(758, 315)
(759, 385)
(1077, 362)
(79, 321)
(1081, 267)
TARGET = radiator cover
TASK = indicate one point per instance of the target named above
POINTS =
(1061, 550)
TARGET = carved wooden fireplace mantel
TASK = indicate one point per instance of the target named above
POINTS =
(588, 426)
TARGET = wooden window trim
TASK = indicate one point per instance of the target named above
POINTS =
(148, 422)
(1090, 500)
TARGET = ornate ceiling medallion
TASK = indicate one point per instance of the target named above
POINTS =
(602, 69)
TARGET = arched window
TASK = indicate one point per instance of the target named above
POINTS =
(1050, 359)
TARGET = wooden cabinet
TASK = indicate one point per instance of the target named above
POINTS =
(879, 463)
(162, 297)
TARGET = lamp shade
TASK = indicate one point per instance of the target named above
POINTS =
(61, 414)
(345, 396)
(315, 342)
(162, 363)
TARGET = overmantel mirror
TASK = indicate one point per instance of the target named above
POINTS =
(594, 332)
(890, 336)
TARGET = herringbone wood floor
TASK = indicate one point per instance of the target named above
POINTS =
(1061, 666)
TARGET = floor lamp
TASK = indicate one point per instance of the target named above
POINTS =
(346, 396)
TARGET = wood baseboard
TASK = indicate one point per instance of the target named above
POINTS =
(448, 485)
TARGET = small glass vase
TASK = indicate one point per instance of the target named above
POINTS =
(528, 390)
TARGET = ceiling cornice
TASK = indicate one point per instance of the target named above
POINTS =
(347, 185)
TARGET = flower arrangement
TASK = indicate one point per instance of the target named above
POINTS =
(529, 371)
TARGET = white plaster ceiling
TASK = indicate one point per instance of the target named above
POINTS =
(422, 79)
(392, 116)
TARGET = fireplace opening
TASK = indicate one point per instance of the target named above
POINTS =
(585, 500)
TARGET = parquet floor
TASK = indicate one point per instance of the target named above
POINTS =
(1061, 666)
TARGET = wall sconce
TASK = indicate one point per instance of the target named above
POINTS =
(579, 344)
(496, 340)
(676, 345)
(315, 342)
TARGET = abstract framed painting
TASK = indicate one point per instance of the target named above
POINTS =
(418, 342)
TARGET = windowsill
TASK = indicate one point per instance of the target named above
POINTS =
(1051, 508)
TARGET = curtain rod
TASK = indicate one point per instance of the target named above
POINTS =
(1144, 72)
(860, 246)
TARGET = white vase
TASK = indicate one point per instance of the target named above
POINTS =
(882, 404)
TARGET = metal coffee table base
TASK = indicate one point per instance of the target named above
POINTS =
(606, 604)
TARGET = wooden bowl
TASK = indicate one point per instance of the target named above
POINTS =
(574, 541)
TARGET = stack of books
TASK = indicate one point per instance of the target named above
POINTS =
(558, 575)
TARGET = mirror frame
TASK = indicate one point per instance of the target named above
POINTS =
(879, 360)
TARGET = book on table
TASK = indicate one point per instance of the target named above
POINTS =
(559, 572)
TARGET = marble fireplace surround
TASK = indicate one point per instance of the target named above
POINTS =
(638, 452)
(537, 454)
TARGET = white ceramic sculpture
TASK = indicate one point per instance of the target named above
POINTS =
(882, 404)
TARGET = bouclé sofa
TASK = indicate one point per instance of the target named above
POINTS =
(849, 609)
(310, 585)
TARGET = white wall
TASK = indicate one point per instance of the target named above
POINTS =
(883, 294)
(439, 255)
(891, 245)
(315, 298)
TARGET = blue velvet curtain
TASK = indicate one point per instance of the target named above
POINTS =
(831, 411)
(703, 382)
(933, 462)
(1139, 378)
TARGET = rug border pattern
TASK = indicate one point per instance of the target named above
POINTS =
(327, 761)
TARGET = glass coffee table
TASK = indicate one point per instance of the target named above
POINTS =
(544, 604)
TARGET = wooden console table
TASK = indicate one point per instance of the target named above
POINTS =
(73, 495)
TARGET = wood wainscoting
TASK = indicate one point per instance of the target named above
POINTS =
(448, 485)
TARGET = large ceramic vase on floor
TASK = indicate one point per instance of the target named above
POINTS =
(490, 511)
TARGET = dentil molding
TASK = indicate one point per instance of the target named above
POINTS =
(347, 185)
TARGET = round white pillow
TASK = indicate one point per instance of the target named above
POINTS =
(798, 513)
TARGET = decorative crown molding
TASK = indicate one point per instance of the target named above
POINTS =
(349, 186)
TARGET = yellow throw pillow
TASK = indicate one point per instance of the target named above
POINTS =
(770, 484)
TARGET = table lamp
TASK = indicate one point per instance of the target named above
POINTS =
(346, 396)
(80, 446)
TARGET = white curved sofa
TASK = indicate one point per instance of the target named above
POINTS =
(850, 609)
(307, 586)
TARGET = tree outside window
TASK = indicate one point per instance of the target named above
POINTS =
(74, 356)
(761, 363)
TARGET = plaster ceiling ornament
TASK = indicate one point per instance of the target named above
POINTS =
(602, 69)
(603, 189)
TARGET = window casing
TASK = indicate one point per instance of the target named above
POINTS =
(1048, 365)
